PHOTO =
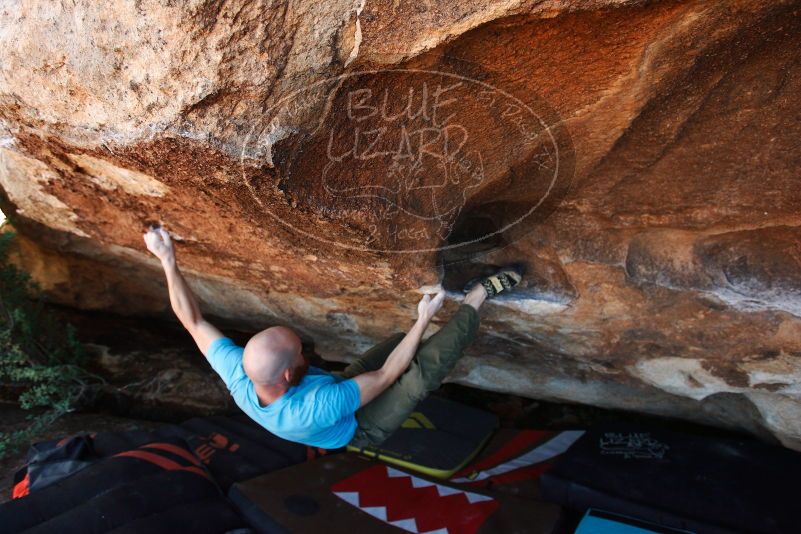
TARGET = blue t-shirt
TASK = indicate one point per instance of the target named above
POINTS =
(320, 411)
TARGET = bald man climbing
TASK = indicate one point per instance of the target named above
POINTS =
(271, 381)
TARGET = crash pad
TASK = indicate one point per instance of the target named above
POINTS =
(210, 515)
(437, 439)
(117, 490)
(347, 493)
(169, 480)
(231, 448)
(679, 480)
(601, 522)
(236, 448)
(514, 459)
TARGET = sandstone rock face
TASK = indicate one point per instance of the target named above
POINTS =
(321, 162)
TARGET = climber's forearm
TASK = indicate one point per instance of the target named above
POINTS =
(399, 359)
(186, 308)
(183, 301)
(373, 383)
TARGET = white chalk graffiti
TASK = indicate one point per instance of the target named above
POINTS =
(428, 171)
(404, 155)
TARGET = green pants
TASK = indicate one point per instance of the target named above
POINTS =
(434, 359)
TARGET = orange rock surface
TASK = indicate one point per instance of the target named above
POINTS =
(321, 163)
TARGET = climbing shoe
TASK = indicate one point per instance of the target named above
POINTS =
(504, 279)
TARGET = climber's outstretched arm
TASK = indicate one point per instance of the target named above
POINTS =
(373, 383)
(182, 300)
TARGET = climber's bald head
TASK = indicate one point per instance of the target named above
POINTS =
(274, 357)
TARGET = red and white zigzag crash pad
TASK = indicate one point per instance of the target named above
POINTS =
(347, 493)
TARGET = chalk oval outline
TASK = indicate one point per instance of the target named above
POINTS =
(338, 244)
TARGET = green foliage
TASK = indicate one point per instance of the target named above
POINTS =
(40, 356)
